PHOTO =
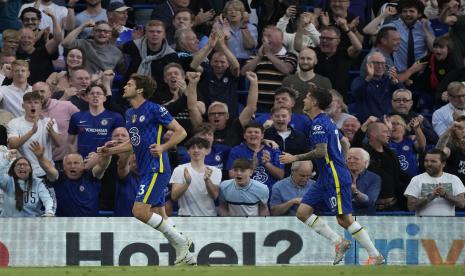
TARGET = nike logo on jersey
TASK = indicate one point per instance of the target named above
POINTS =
(82, 122)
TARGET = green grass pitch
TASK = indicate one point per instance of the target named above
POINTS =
(239, 271)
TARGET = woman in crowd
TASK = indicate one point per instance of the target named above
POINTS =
(59, 81)
(24, 195)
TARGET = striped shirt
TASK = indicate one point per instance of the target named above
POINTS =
(270, 78)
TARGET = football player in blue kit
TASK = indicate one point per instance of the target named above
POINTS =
(146, 123)
(332, 190)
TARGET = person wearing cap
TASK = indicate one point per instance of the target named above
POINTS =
(117, 13)
(241, 195)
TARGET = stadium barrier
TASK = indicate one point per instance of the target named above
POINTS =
(226, 241)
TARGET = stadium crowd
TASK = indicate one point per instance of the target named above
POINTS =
(234, 74)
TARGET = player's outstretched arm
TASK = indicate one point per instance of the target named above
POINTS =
(121, 148)
(319, 152)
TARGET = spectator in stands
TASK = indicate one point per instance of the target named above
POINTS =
(406, 147)
(187, 44)
(24, 195)
(434, 192)
(289, 140)
(456, 22)
(150, 54)
(165, 11)
(10, 39)
(5, 67)
(94, 12)
(11, 96)
(228, 130)
(174, 98)
(334, 61)
(371, 93)
(452, 142)
(304, 77)
(338, 109)
(402, 102)
(59, 81)
(444, 116)
(40, 57)
(287, 193)
(183, 19)
(241, 35)
(31, 19)
(272, 63)
(416, 35)
(285, 97)
(117, 14)
(219, 79)
(76, 93)
(349, 127)
(61, 112)
(243, 196)
(127, 186)
(217, 154)
(100, 54)
(366, 185)
(268, 169)
(77, 190)
(383, 162)
(387, 42)
(91, 129)
(306, 35)
(63, 16)
(347, 23)
(32, 127)
(195, 184)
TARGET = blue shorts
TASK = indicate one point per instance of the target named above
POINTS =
(152, 188)
(325, 198)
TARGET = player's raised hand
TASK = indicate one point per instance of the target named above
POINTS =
(287, 158)
(37, 149)
(156, 149)
(187, 176)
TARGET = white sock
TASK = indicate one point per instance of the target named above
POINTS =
(170, 222)
(173, 236)
(319, 225)
(363, 238)
(155, 220)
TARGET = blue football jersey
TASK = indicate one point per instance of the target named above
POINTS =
(146, 126)
(93, 131)
(332, 167)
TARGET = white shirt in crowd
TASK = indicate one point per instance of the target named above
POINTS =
(423, 184)
(195, 201)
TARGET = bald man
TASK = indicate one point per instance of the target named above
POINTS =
(288, 192)
(305, 77)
